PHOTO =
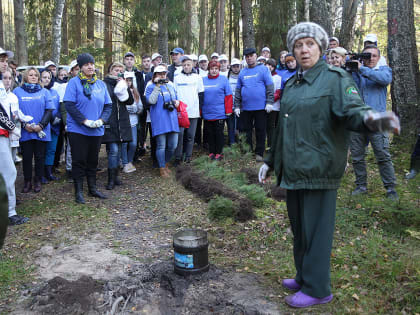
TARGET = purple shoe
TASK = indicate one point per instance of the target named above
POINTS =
(300, 299)
(291, 284)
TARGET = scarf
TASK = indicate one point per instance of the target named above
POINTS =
(213, 77)
(31, 87)
(86, 83)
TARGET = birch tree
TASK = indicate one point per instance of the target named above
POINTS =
(56, 43)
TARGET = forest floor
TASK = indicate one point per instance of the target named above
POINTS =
(115, 256)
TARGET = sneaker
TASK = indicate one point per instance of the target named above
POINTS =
(259, 158)
(360, 190)
(129, 168)
(18, 159)
(300, 300)
(219, 157)
(392, 194)
(211, 156)
(17, 220)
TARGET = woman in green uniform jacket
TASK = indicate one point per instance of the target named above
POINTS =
(320, 104)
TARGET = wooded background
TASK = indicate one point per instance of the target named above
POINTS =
(59, 30)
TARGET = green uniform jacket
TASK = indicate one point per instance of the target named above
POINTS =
(309, 146)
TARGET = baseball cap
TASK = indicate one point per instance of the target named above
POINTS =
(235, 61)
(223, 57)
(73, 64)
(6, 52)
(371, 38)
(177, 50)
(49, 63)
(215, 54)
(249, 51)
(128, 74)
(261, 58)
(156, 55)
(185, 58)
(266, 49)
(160, 69)
(334, 38)
(202, 58)
(194, 57)
(129, 54)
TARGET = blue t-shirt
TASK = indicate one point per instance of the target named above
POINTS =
(215, 91)
(90, 108)
(286, 75)
(56, 112)
(34, 104)
(252, 83)
(163, 120)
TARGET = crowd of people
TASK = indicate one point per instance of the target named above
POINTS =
(298, 109)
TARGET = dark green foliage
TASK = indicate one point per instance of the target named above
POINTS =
(254, 193)
(221, 208)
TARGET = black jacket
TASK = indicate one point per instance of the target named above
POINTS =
(140, 85)
(118, 127)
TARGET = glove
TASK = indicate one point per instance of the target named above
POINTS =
(263, 173)
(268, 108)
(98, 123)
(382, 122)
(89, 123)
(131, 109)
(42, 134)
(121, 91)
(237, 111)
(56, 121)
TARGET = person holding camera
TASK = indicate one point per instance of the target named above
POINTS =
(118, 127)
(163, 102)
(88, 107)
(372, 81)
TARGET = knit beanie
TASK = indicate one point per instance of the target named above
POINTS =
(307, 29)
(84, 58)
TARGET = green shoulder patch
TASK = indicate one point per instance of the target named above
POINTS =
(352, 90)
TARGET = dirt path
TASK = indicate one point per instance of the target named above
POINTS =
(126, 266)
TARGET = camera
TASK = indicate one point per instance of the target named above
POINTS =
(162, 81)
(169, 106)
(121, 75)
(352, 65)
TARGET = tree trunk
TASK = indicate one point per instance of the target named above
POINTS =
(188, 30)
(307, 9)
(248, 33)
(77, 31)
(64, 32)
(347, 25)
(403, 59)
(21, 49)
(319, 14)
(108, 33)
(1, 26)
(230, 28)
(163, 31)
(236, 26)
(56, 42)
(203, 26)
(292, 13)
(90, 21)
(220, 25)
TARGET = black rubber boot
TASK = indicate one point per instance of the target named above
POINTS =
(78, 190)
(48, 173)
(414, 168)
(92, 188)
(111, 179)
(69, 176)
(117, 180)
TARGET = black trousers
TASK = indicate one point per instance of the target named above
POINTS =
(215, 135)
(257, 119)
(142, 130)
(33, 149)
(60, 146)
(272, 119)
(84, 153)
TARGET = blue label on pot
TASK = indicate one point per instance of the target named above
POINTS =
(184, 261)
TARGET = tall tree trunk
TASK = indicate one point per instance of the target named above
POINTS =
(347, 25)
(319, 14)
(403, 59)
(56, 42)
(248, 33)
(1, 26)
(292, 12)
(307, 9)
(90, 21)
(163, 31)
(188, 33)
(77, 31)
(64, 32)
(230, 28)
(108, 33)
(21, 49)
(41, 48)
(237, 34)
(203, 26)
(362, 25)
(220, 25)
